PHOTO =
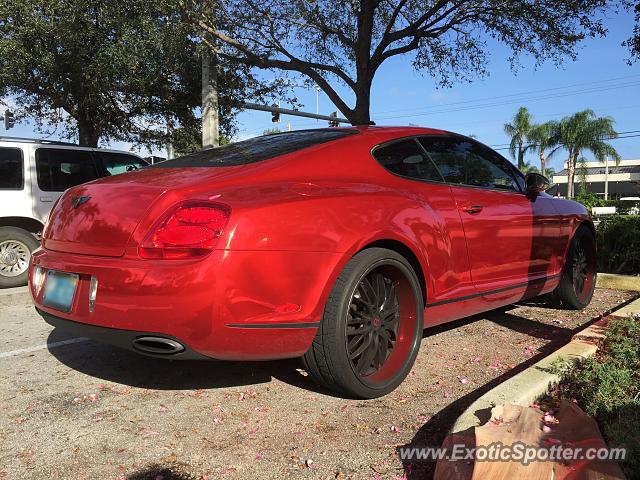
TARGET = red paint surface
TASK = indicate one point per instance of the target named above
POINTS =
(295, 221)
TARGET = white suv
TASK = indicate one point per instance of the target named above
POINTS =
(33, 174)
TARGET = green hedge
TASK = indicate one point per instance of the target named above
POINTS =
(590, 200)
(619, 244)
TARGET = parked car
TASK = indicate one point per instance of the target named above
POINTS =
(33, 174)
(335, 245)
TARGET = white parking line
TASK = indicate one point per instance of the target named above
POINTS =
(20, 351)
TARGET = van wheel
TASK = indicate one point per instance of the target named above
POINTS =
(578, 279)
(16, 246)
(371, 328)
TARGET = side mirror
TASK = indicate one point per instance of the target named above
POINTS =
(535, 183)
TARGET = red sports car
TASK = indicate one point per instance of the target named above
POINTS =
(335, 245)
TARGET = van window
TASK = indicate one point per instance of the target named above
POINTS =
(11, 169)
(115, 163)
(59, 169)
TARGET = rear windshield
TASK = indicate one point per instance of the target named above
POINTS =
(256, 149)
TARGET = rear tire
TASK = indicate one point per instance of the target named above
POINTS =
(16, 246)
(578, 279)
(371, 329)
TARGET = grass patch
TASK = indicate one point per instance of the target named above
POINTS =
(607, 387)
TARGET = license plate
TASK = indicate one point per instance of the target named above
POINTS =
(59, 290)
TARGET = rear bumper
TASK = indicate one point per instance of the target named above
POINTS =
(119, 338)
(232, 305)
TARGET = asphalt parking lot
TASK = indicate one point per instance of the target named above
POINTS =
(72, 408)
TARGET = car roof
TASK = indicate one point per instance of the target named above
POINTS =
(14, 141)
(396, 130)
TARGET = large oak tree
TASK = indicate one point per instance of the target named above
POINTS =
(347, 42)
(112, 70)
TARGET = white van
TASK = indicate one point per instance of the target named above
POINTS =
(33, 174)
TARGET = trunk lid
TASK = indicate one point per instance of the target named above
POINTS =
(99, 218)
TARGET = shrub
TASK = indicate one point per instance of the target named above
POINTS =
(590, 200)
(623, 207)
(619, 244)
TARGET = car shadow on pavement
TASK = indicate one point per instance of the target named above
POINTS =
(155, 472)
(122, 366)
(547, 301)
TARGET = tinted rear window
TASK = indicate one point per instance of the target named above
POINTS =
(11, 169)
(59, 169)
(256, 149)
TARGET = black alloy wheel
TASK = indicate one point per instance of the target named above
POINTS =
(578, 280)
(372, 326)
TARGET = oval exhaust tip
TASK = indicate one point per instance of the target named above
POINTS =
(157, 345)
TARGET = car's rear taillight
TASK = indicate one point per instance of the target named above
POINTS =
(190, 230)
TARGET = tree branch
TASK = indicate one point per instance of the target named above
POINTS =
(293, 64)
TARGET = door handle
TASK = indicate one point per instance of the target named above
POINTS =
(46, 199)
(472, 209)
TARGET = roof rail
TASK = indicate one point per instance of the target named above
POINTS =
(35, 140)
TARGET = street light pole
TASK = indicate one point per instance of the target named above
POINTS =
(210, 135)
(606, 177)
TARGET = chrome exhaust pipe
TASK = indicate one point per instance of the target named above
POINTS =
(157, 345)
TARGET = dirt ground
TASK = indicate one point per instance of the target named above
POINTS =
(81, 410)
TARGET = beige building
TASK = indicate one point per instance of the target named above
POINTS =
(612, 181)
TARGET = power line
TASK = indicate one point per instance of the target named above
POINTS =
(529, 92)
(513, 101)
(602, 138)
(532, 144)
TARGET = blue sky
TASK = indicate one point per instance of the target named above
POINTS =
(600, 79)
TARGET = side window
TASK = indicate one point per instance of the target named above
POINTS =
(59, 169)
(11, 169)
(467, 163)
(407, 159)
(115, 163)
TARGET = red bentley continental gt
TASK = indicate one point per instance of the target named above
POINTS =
(335, 245)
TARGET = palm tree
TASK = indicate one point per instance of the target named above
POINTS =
(584, 131)
(518, 130)
(527, 167)
(542, 136)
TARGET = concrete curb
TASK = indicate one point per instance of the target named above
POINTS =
(618, 282)
(527, 386)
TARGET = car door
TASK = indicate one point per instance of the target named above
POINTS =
(434, 219)
(510, 236)
(57, 169)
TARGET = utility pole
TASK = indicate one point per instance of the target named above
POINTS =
(210, 124)
(170, 149)
(317, 101)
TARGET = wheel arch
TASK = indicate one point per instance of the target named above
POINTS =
(26, 223)
(584, 223)
(402, 249)
(588, 225)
